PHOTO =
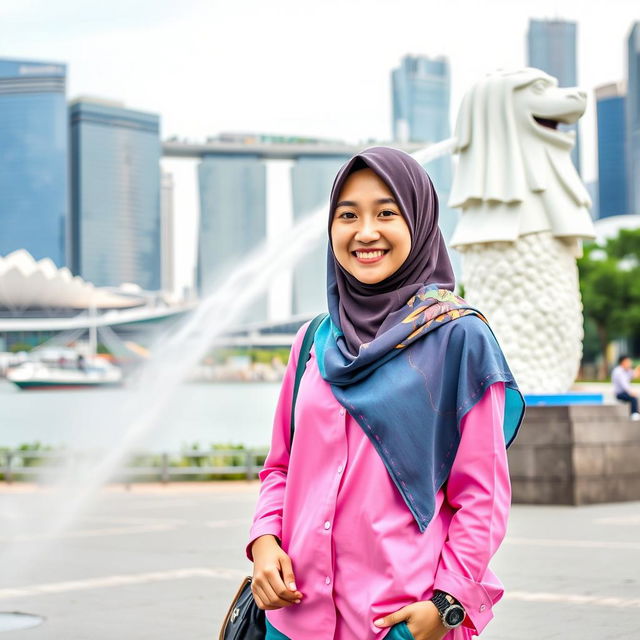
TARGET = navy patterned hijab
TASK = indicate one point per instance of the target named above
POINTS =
(407, 357)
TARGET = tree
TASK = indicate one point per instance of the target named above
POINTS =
(610, 287)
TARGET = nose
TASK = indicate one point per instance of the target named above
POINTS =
(368, 231)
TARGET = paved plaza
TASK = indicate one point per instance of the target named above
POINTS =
(162, 563)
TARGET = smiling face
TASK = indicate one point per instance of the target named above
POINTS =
(369, 235)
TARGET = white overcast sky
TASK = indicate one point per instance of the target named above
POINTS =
(318, 68)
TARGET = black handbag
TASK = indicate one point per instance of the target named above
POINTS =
(244, 620)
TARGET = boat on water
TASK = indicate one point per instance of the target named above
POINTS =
(64, 369)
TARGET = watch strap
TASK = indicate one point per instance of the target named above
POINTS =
(442, 603)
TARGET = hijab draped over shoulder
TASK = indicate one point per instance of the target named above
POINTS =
(406, 356)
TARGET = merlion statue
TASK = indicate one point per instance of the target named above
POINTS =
(524, 214)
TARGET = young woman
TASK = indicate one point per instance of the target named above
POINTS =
(381, 518)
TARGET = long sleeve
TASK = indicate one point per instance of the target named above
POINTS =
(621, 380)
(479, 490)
(267, 517)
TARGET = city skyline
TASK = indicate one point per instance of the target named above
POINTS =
(84, 38)
(54, 34)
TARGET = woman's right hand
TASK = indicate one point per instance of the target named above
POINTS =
(272, 575)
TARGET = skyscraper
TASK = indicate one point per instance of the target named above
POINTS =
(551, 46)
(612, 158)
(633, 116)
(34, 182)
(232, 219)
(421, 97)
(421, 88)
(115, 165)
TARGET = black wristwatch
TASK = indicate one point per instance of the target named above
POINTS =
(451, 612)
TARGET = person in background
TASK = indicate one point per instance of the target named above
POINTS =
(621, 378)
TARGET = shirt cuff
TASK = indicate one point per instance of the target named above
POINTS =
(470, 594)
(262, 527)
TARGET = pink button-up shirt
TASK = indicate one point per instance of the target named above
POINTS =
(356, 550)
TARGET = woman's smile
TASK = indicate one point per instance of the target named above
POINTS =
(369, 256)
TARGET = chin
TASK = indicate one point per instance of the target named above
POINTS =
(369, 279)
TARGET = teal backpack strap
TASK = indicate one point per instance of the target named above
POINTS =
(303, 357)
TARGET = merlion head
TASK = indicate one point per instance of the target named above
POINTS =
(505, 123)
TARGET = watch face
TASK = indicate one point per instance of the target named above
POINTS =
(455, 616)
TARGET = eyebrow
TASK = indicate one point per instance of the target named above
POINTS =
(351, 203)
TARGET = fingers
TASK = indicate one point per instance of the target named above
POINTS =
(278, 594)
(269, 587)
(269, 598)
(401, 614)
(266, 598)
(288, 578)
(259, 599)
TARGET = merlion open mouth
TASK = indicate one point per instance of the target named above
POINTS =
(546, 122)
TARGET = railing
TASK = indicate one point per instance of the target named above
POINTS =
(16, 463)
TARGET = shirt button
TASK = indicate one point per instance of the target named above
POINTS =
(483, 607)
(341, 412)
(340, 469)
(327, 580)
(327, 524)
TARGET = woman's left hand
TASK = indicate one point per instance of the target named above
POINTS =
(422, 618)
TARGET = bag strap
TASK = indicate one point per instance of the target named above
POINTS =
(303, 357)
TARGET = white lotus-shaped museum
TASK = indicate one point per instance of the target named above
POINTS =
(26, 283)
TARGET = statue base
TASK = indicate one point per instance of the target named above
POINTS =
(575, 454)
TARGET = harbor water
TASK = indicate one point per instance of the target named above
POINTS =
(202, 413)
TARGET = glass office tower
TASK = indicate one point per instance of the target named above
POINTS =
(633, 117)
(33, 159)
(612, 160)
(421, 88)
(115, 165)
(311, 180)
(551, 46)
(233, 212)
